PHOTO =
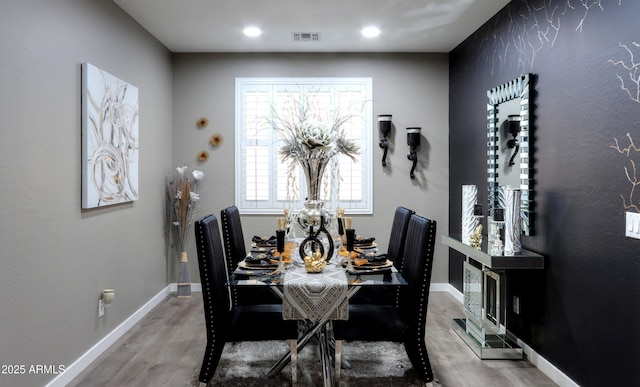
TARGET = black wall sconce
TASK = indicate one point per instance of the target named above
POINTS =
(384, 124)
(413, 140)
(513, 128)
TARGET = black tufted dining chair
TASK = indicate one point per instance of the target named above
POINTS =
(398, 236)
(233, 236)
(226, 322)
(406, 321)
(234, 248)
(395, 252)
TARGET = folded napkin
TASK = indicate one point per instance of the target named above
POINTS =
(259, 259)
(264, 241)
(378, 258)
(370, 259)
(263, 250)
(363, 241)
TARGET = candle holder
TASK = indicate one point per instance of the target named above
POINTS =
(496, 225)
(346, 223)
(280, 250)
(476, 236)
(384, 124)
(351, 238)
(413, 140)
(513, 127)
(339, 216)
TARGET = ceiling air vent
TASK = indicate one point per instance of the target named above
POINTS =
(306, 36)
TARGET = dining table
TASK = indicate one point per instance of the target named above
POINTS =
(315, 299)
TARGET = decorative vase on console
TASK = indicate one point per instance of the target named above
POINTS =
(512, 224)
(470, 222)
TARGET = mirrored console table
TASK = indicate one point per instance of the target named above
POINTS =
(484, 298)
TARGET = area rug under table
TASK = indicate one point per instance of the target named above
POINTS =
(372, 365)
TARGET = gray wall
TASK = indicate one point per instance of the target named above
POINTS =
(55, 258)
(413, 88)
(583, 311)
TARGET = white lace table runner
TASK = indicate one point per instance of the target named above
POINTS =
(313, 295)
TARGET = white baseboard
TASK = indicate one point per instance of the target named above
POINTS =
(446, 288)
(94, 352)
(533, 357)
(546, 367)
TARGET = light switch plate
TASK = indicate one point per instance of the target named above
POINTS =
(100, 308)
(632, 229)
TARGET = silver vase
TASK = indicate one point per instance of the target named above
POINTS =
(469, 221)
(512, 223)
(313, 206)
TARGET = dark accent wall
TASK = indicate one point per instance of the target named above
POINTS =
(582, 313)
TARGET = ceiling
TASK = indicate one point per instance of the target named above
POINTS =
(216, 25)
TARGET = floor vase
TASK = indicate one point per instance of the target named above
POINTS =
(184, 277)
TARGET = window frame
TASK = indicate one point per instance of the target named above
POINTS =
(271, 85)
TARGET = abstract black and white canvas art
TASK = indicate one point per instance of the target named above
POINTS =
(110, 141)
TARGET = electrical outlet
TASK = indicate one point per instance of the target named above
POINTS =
(632, 229)
(100, 308)
(516, 304)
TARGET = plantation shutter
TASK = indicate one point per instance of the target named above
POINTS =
(266, 184)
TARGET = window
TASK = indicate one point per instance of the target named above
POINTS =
(264, 183)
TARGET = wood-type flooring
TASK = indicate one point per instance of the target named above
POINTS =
(166, 347)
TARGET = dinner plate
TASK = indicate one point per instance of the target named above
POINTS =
(374, 270)
(263, 245)
(373, 265)
(376, 259)
(365, 246)
(254, 272)
(370, 265)
(247, 265)
(263, 249)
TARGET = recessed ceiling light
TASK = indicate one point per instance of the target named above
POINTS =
(370, 32)
(252, 31)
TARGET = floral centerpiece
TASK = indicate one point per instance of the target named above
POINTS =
(183, 198)
(312, 138)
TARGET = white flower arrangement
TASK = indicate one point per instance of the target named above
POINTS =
(310, 138)
(183, 198)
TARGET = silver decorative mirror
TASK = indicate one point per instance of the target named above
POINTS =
(508, 156)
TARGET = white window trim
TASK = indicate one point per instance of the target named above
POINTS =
(366, 206)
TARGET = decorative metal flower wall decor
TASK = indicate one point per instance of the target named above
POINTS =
(216, 140)
(202, 123)
(203, 156)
